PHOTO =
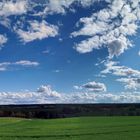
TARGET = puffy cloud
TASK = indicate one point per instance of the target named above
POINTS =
(24, 8)
(128, 76)
(44, 97)
(44, 94)
(92, 87)
(37, 30)
(3, 69)
(48, 91)
(86, 3)
(60, 7)
(88, 45)
(77, 87)
(12, 7)
(56, 6)
(117, 47)
(5, 65)
(109, 27)
(91, 28)
(4, 21)
(117, 70)
(25, 98)
(130, 83)
(15, 7)
(95, 86)
(3, 39)
(105, 98)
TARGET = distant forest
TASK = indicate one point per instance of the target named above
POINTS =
(48, 111)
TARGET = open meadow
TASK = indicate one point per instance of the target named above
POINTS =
(81, 128)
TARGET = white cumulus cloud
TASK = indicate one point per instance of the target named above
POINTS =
(114, 68)
(8, 8)
(130, 83)
(37, 30)
(95, 86)
(46, 95)
(47, 90)
(4, 66)
(92, 87)
(110, 27)
(3, 40)
(60, 7)
(126, 75)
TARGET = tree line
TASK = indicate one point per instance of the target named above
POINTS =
(48, 111)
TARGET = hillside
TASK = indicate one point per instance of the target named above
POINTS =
(82, 128)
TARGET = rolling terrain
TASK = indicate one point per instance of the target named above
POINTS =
(80, 128)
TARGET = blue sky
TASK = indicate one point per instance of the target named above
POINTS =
(69, 51)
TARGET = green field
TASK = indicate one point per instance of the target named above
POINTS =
(84, 128)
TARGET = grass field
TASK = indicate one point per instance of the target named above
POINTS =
(84, 128)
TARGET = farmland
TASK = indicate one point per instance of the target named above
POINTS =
(80, 128)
